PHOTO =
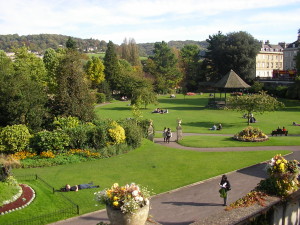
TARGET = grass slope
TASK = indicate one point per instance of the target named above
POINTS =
(158, 167)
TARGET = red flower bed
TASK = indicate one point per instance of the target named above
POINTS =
(190, 93)
(25, 199)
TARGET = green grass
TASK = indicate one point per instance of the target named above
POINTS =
(196, 118)
(224, 141)
(45, 202)
(100, 55)
(165, 169)
(7, 191)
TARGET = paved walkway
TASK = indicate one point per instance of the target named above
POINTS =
(194, 202)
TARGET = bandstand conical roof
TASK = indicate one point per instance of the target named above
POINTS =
(231, 80)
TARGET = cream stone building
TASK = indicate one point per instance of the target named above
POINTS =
(268, 59)
(289, 54)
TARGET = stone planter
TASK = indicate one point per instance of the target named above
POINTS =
(116, 217)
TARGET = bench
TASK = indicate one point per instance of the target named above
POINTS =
(279, 132)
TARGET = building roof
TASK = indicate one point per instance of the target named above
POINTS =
(231, 80)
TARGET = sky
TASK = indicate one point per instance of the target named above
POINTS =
(152, 20)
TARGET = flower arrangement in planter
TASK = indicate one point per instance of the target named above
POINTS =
(283, 178)
(128, 198)
(251, 134)
(125, 205)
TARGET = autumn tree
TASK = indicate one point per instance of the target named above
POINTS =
(259, 103)
(94, 69)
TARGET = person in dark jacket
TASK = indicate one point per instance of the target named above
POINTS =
(78, 187)
(225, 187)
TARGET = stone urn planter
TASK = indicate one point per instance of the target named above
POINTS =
(116, 217)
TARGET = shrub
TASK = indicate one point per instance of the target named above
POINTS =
(116, 133)
(144, 124)
(14, 138)
(50, 140)
(133, 133)
(65, 122)
(97, 135)
(101, 97)
(79, 136)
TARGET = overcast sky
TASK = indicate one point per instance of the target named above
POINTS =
(152, 20)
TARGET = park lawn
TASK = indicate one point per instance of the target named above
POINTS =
(225, 141)
(159, 168)
(196, 118)
(44, 203)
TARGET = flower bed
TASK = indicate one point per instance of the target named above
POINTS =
(250, 134)
(24, 199)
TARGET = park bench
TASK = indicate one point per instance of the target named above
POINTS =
(279, 132)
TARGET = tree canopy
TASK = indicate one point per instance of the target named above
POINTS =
(236, 51)
(166, 69)
(258, 103)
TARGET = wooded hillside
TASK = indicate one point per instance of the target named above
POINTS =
(40, 42)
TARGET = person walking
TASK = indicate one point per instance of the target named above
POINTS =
(165, 134)
(225, 187)
(168, 135)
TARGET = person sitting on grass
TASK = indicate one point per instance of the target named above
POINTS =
(219, 127)
(214, 127)
(78, 187)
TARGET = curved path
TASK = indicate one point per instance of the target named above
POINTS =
(194, 202)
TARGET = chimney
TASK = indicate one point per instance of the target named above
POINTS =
(299, 35)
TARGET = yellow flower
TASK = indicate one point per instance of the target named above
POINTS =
(282, 167)
(116, 198)
(115, 203)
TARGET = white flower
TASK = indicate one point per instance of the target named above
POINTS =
(135, 193)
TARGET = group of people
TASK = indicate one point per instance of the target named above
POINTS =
(161, 111)
(214, 127)
(167, 134)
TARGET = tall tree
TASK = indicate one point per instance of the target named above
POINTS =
(94, 69)
(71, 43)
(166, 71)
(112, 67)
(73, 97)
(189, 62)
(130, 52)
(236, 50)
(51, 60)
(28, 63)
(22, 97)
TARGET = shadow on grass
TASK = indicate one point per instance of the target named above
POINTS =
(208, 124)
(117, 108)
(193, 101)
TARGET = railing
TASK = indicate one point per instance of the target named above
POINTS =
(70, 207)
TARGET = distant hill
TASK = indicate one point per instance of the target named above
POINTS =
(146, 49)
(40, 42)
